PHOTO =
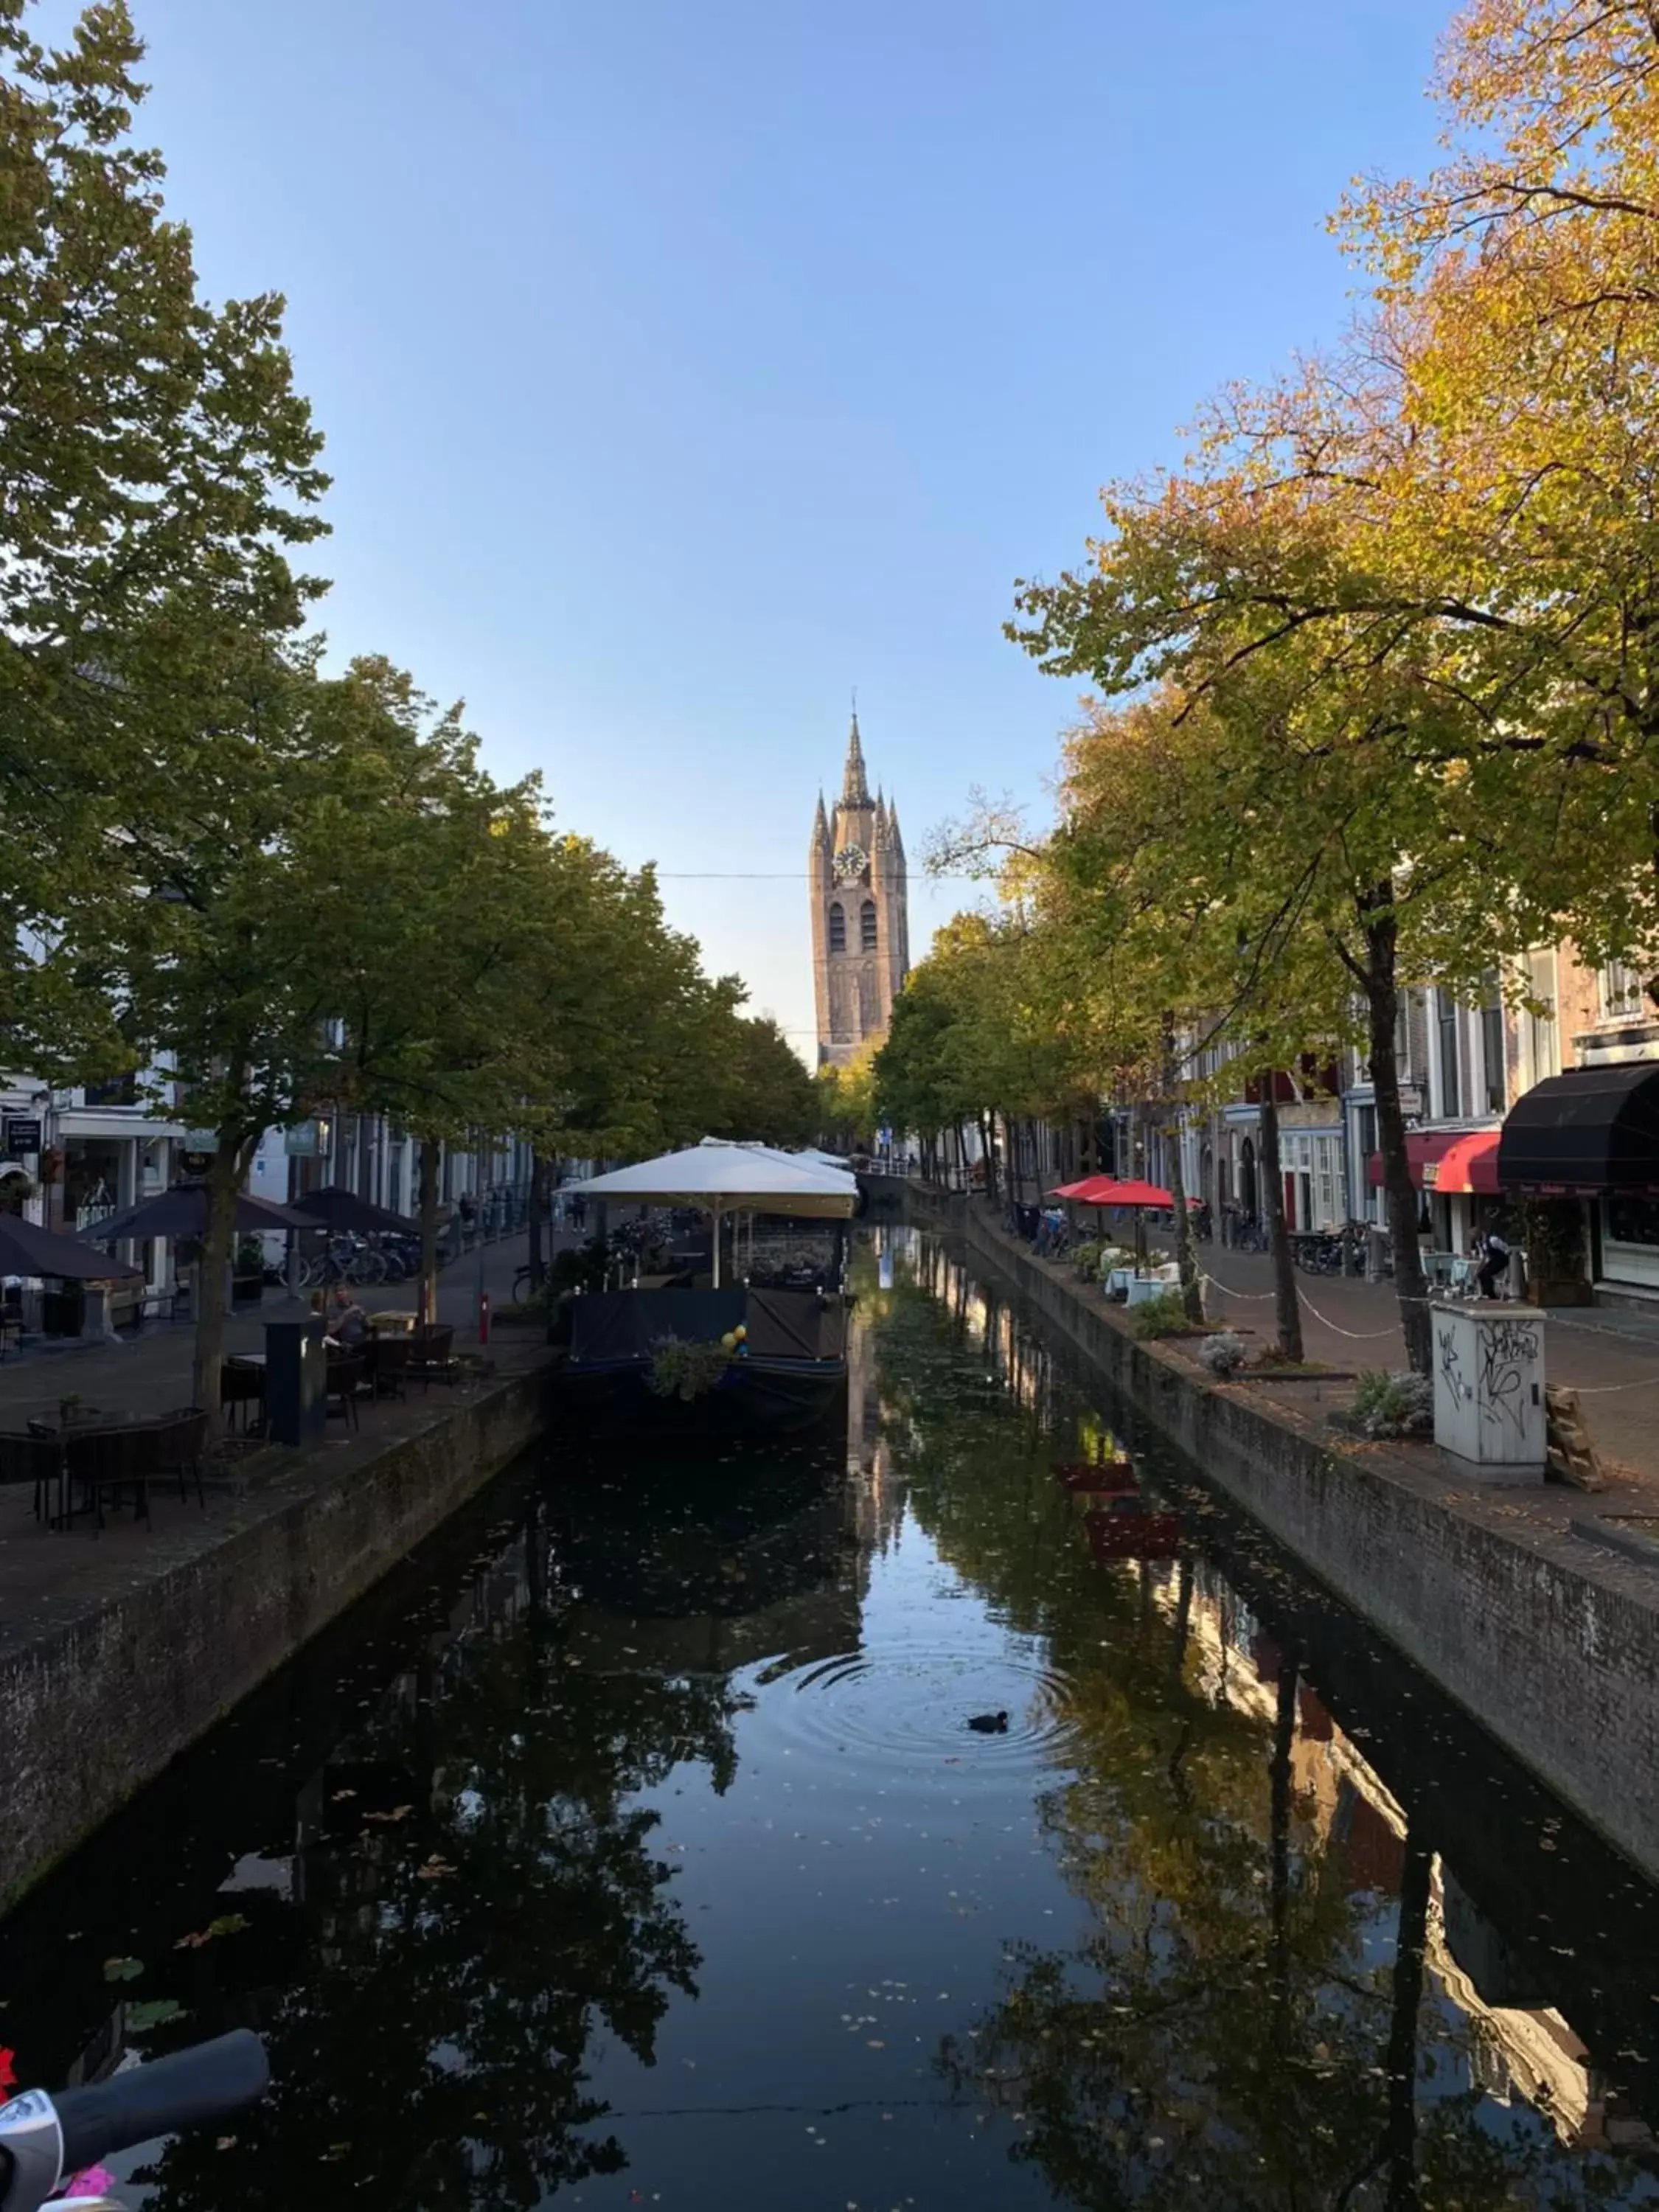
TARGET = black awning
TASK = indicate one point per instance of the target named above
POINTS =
(1594, 1129)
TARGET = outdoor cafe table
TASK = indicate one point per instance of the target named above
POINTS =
(81, 1421)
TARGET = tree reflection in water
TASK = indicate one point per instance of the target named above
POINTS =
(1248, 2023)
(461, 1958)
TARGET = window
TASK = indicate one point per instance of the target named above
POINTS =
(1447, 1010)
(1367, 1135)
(1491, 1047)
(837, 926)
(867, 927)
(1543, 1031)
(1621, 990)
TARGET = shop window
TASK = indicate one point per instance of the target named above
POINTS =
(1633, 1220)
(1622, 993)
(837, 926)
(867, 927)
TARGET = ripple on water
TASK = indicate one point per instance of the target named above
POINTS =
(911, 1707)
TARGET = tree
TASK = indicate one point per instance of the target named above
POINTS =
(846, 1115)
(769, 1094)
(156, 461)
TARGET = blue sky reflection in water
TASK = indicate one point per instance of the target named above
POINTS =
(632, 1847)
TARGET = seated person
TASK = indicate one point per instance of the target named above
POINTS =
(349, 1324)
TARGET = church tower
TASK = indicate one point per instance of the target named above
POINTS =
(860, 919)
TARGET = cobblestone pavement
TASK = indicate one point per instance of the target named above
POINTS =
(1611, 1357)
(150, 1373)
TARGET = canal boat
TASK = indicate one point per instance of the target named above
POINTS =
(700, 1358)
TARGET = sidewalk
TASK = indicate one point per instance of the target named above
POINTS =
(1611, 1357)
(49, 1576)
(151, 1373)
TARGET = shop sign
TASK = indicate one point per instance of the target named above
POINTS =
(1430, 1174)
(23, 1135)
(300, 1141)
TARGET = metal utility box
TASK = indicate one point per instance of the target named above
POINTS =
(297, 1379)
(1489, 1387)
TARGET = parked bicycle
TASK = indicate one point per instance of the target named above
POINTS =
(48, 2141)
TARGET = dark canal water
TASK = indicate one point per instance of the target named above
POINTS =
(631, 1847)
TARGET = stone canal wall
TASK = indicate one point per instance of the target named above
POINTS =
(98, 1699)
(1549, 1642)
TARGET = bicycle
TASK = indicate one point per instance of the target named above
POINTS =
(47, 2142)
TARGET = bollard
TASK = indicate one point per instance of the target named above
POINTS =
(484, 1316)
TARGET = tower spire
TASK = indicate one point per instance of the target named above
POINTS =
(855, 789)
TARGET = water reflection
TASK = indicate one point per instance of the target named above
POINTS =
(632, 1845)
(1288, 1992)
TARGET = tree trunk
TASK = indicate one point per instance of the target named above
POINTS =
(538, 1220)
(1410, 1940)
(430, 1153)
(1287, 1310)
(224, 1180)
(1191, 1291)
(1382, 1001)
(1278, 1832)
(987, 1138)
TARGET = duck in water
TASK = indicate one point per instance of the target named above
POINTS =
(989, 1723)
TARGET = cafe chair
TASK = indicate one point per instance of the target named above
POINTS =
(345, 1379)
(242, 1385)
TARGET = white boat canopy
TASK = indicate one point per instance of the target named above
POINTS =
(730, 1178)
(726, 1178)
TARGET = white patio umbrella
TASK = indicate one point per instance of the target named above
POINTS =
(724, 1178)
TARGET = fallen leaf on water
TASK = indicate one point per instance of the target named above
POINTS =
(397, 1812)
(123, 1970)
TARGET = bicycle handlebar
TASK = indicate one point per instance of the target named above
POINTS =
(43, 2140)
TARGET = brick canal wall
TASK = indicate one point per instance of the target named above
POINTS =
(95, 1706)
(1548, 1641)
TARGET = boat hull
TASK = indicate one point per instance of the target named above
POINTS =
(614, 1402)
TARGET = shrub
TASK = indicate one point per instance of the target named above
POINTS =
(686, 1367)
(1386, 1405)
(1164, 1315)
(1222, 1354)
(1085, 1257)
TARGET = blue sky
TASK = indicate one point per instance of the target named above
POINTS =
(684, 363)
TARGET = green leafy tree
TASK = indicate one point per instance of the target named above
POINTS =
(157, 461)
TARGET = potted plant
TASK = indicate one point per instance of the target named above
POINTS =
(248, 1274)
(1553, 1237)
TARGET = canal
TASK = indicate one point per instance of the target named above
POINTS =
(631, 1846)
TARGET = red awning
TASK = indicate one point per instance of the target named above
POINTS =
(1455, 1162)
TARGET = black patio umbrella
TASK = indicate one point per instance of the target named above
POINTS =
(182, 1211)
(342, 1211)
(27, 1250)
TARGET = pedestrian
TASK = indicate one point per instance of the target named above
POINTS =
(350, 1323)
(1494, 1262)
